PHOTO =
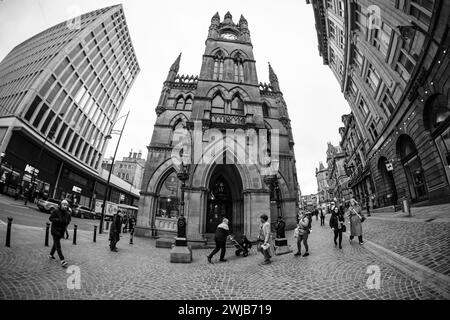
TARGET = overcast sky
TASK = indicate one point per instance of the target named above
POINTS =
(282, 32)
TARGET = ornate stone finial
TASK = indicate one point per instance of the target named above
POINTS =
(273, 79)
(216, 18)
(243, 22)
(228, 19)
(176, 65)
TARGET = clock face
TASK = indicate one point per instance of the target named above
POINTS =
(228, 36)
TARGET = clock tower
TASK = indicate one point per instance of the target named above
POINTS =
(219, 118)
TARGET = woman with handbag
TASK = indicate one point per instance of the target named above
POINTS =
(356, 218)
(264, 239)
(337, 225)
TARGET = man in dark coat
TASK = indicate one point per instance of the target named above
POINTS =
(114, 231)
(222, 233)
(60, 219)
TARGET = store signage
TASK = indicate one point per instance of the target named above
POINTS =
(31, 170)
(389, 166)
(76, 189)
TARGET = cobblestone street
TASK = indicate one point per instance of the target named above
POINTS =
(141, 271)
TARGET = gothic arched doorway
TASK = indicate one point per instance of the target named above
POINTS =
(406, 149)
(388, 180)
(225, 199)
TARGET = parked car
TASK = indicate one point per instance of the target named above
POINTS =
(83, 212)
(47, 205)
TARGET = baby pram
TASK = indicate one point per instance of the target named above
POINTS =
(241, 243)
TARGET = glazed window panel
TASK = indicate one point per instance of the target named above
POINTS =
(67, 139)
(61, 133)
(32, 108)
(47, 121)
(40, 114)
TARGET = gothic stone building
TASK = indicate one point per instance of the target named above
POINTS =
(225, 96)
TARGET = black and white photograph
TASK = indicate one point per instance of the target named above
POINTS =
(242, 151)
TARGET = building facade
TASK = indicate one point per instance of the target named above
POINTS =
(395, 79)
(356, 166)
(323, 195)
(129, 169)
(222, 116)
(339, 189)
(60, 93)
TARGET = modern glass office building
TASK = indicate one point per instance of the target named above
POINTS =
(60, 93)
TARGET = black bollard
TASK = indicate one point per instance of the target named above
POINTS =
(8, 232)
(75, 234)
(95, 233)
(47, 230)
(107, 225)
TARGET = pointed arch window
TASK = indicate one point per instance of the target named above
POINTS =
(238, 68)
(218, 104)
(265, 109)
(180, 103)
(237, 105)
(188, 104)
(177, 133)
(218, 66)
(168, 194)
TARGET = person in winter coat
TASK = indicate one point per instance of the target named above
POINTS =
(336, 222)
(265, 238)
(322, 216)
(303, 232)
(114, 231)
(222, 233)
(60, 219)
(356, 218)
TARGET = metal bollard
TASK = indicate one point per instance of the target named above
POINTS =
(47, 231)
(95, 233)
(8, 232)
(75, 234)
(107, 225)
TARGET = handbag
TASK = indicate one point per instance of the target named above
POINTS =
(296, 232)
(343, 228)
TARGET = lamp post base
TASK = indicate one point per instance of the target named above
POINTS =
(181, 252)
(282, 247)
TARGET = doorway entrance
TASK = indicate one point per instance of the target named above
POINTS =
(225, 199)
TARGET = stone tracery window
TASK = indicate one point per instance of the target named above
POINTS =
(169, 197)
(218, 66)
(237, 105)
(218, 104)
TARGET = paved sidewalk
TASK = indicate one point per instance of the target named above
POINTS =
(436, 213)
(141, 271)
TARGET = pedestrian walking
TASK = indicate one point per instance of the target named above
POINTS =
(303, 232)
(60, 219)
(322, 217)
(131, 224)
(356, 218)
(114, 231)
(337, 225)
(220, 237)
(265, 239)
(368, 206)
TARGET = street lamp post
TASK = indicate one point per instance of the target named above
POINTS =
(108, 192)
(183, 175)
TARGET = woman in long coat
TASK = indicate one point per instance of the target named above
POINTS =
(355, 216)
